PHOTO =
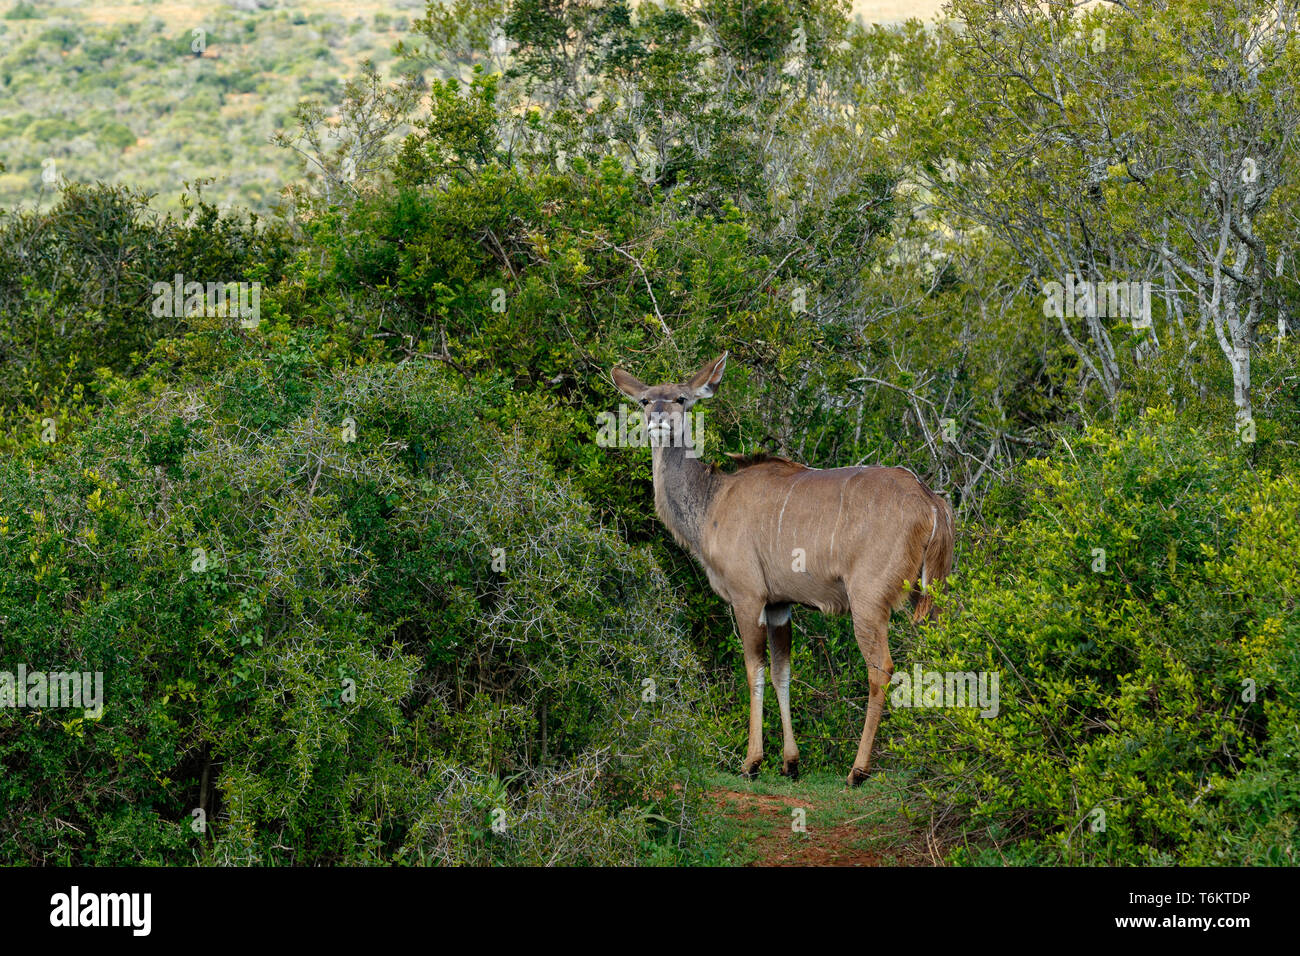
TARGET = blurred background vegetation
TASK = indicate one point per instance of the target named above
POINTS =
(360, 579)
(129, 92)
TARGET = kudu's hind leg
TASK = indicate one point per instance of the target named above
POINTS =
(779, 641)
(871, 627)
(753, 638)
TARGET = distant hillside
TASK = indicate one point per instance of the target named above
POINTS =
(156, 94)
(131, 93)
(116, 11)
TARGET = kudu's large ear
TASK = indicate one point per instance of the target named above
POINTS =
(627, 383)
(704, 384)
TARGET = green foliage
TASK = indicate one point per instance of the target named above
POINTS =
(339, 674)
(77, 287)
(22, 10)
(1131, 612)
(116, 136)
(1174, 114)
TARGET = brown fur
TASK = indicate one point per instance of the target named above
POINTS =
(774, 533)
(739, 461)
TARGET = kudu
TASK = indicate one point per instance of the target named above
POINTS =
(774, 533)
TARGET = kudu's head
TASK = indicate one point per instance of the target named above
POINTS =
(665, 406)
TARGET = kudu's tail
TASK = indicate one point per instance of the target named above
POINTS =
(936, 561)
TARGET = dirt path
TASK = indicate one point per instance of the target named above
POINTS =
(839, 830)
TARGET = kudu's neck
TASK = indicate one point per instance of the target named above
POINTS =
(684, 487)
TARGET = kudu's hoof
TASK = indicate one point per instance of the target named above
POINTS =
(751, 771)
(790, 769)
(856, 776)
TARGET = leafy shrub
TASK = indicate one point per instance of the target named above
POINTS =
(116, 136)
(1126, 714)
(338, 675)
(22, 10)
(76, 285)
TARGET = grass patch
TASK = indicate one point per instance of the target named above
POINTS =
(752, 823)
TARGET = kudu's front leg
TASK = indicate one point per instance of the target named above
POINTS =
(753, 638)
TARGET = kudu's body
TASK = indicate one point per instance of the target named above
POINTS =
(775, 533)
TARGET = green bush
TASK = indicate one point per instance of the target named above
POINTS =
(48, 129)
(77, 287)
(116, 136)
(22, 10)
(304, 635)
(1126, 712)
